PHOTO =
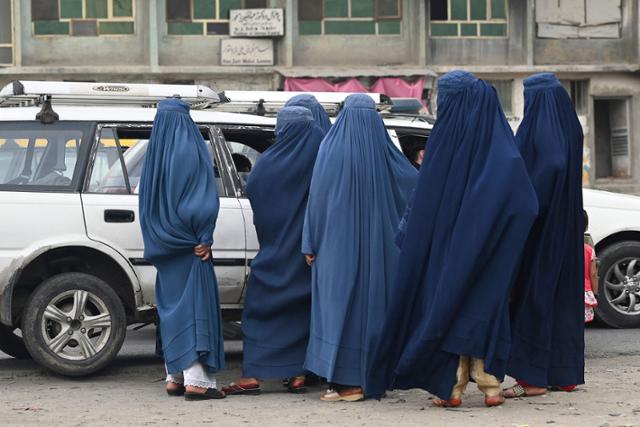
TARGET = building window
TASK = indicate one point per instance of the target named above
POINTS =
(6, 33)
(578, 91)
(83, 17)
(204, 17)
(468, 18)
(504, 88)
(374, 17)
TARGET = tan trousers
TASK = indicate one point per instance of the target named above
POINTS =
(474, 368)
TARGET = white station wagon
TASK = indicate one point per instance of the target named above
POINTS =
(72, 272)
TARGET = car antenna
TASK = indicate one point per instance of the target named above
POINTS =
(260, 109)
(46, 114)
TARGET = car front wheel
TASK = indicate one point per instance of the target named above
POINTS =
(74, 324)
(619, 293)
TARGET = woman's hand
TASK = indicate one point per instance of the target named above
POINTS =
(310, 258)
(203, 252)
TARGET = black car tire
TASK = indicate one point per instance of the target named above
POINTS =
(608, 259)
(12, 344)
(34, 331)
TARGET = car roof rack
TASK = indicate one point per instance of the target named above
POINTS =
(268, 103)
(24, 93)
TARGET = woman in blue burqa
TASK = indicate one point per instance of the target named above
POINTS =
(178, 212)
(275, 319)
(360, 186)
(448, 316)
(309, 101)
(547, 331)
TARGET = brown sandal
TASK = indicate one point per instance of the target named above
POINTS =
(237, 389)
(451, 403)
(297, 385)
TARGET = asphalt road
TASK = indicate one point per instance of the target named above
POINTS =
(130, 392)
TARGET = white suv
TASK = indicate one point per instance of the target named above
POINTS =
(72, 272)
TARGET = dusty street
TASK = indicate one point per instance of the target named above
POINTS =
(130, 393)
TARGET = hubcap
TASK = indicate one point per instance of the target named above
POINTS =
(76, 325)
(622, 286)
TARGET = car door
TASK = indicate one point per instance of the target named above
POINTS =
(242, 147)
(110, 201)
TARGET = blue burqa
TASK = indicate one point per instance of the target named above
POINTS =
(360, 186)
(464, 235)
(178, 210)
(548, 302)
(309, 101)
(275, 319)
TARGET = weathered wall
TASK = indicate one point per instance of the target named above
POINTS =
(356, 50)
(65, 51)
(504, 51)
(593, 50)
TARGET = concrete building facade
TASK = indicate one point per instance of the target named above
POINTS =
(592, 45)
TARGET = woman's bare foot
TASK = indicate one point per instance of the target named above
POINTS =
(194, 389)
(520, 391)
(174, 389)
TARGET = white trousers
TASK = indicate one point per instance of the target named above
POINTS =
(195, 375)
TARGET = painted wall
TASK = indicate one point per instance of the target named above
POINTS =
(66, 51)
(504, 51)
(594, 50)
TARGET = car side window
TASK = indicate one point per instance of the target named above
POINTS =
(246, 145)
(120, 156)
(38, 155)
(244, 158)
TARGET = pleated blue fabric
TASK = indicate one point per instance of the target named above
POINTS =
(462, 242)
(360, 186)
(548, 303)
(277, 310)
(309, 101)
(178, 210)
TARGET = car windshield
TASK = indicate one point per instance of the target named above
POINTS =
(37, 155)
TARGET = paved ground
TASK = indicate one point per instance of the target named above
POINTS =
(130, 393)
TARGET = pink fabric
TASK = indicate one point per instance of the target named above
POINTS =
(398, 88)
(588, 258)
(321, 85)
(390, 86)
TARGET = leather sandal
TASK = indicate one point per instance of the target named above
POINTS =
(237, 389)
(451, 403)
(297, 385)
(211, 393)
(346, 395)
(520, 391)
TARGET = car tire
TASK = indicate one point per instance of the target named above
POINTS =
(74, 324)
(621, 286)
(12, 344)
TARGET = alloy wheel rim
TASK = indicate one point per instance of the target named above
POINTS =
(76, 325)
(622, 286)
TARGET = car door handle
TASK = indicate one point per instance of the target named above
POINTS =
(117, 215)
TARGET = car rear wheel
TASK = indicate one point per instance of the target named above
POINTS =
(619, 293)
(12, 343)
(74, 324)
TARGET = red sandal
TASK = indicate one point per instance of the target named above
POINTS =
(297, 385)
(451, 403)
(237, 389)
